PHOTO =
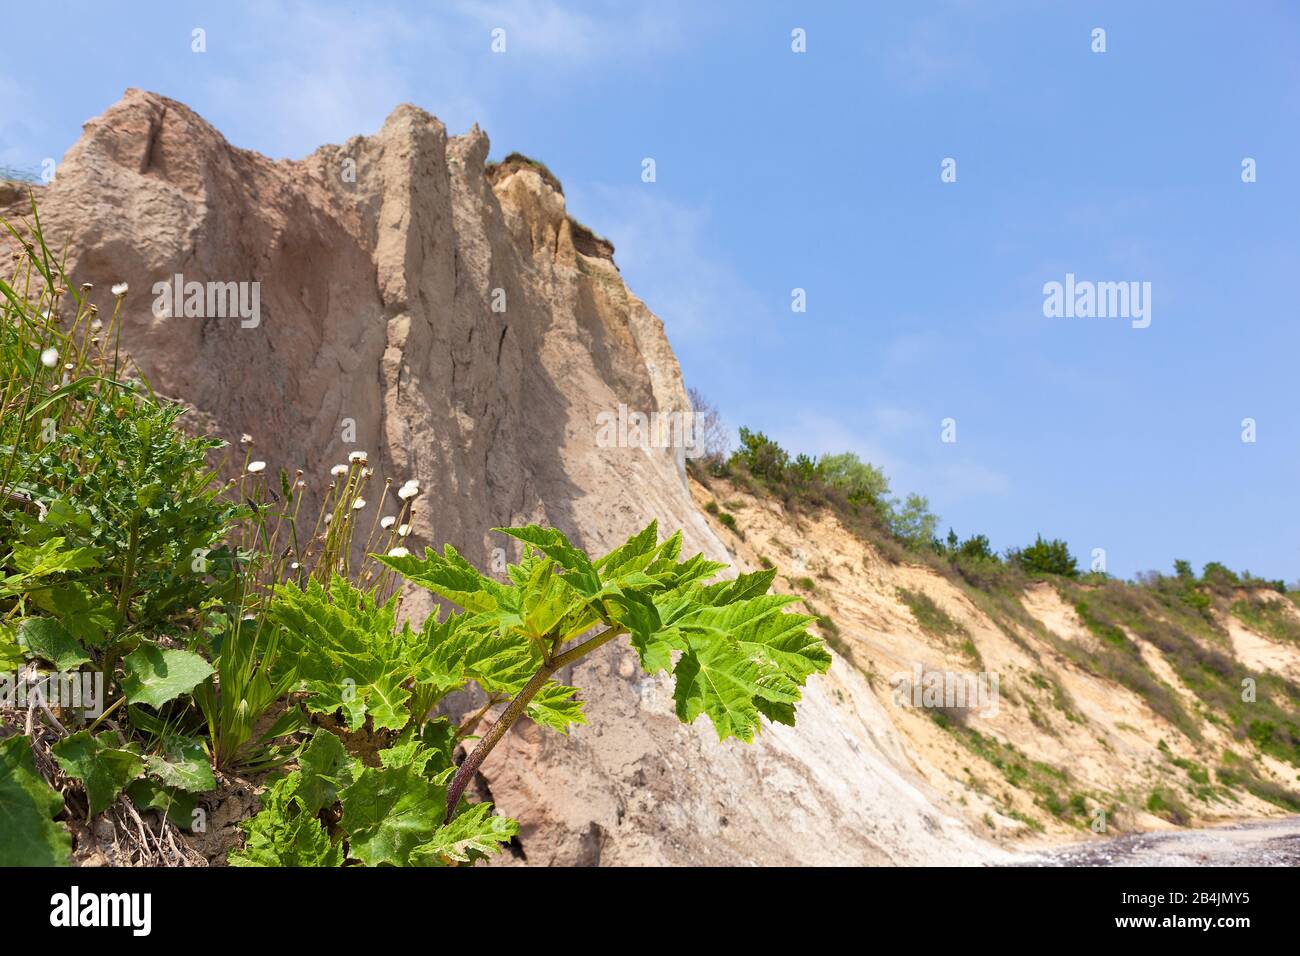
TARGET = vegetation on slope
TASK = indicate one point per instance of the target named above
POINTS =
(1178, 619)
(216, 632)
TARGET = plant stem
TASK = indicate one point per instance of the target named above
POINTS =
(517, 707)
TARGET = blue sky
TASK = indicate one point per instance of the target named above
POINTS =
(821, 171)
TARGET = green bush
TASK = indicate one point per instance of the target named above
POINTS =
(1047, 557)
(761, 456)
(912, 522)
(858, 480)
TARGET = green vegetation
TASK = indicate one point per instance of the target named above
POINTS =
(1046, 557)
(513, 161)
(1164, 804)
(1178, 615)
(858, 491)
(1273, 618)
(932, 618)
(236, 633)
(1047, 785)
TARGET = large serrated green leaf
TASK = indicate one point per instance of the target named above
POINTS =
(722, 678)
(325, 768)
(476, 832)
(389, 811)
(348, 653)
(29, 836)
(556, 546)
(449, 576)
(634, 554)
(286, 832)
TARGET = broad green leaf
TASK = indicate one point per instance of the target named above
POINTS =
(777, 713)
(719, 676)
(389, 811)
(29, 836)
(89, 618)
(48, 640)
(449, 576)
(104, 770)
(473, 834)
(439, 735)
(654, 643)
(764, 629)
(740, 588)
(53, 556)
(184, 764)
(430, 752)
(12, 655)
(349, 653)
(641, 545)
(325, 767)
(154, 675)
(556, 546)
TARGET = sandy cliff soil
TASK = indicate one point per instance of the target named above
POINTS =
(1064, 742)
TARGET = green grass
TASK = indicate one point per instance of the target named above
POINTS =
(1271, 618)
(931, 618)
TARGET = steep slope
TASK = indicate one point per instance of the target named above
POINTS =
(454, 322)
(1110, 708)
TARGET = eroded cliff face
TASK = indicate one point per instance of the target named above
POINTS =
(380, 262)
(1069, 745)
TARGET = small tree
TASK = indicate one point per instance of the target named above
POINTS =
(1048, 557)
(913, 521)
(977, 548)
(763, 457)
(1218, 577)
(858, 480)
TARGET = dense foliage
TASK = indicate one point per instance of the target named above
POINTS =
(238, 636)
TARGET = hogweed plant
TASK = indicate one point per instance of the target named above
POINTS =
(244, 622)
